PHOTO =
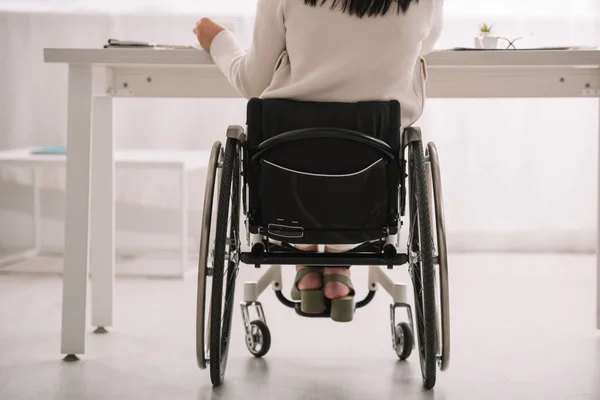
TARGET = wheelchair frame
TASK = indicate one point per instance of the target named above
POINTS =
(432, 306)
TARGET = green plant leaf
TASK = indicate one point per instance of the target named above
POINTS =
(485, 28)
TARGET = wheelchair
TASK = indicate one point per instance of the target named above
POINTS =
(323, 173)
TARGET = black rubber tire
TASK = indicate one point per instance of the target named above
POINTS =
(220, 327)
(421, 241)
(404, 348)
(266, 339)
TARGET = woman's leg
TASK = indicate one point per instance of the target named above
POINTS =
(337, 290)
(308, 286)
(310, 281)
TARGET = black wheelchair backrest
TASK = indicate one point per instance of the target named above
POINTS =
(324, 173)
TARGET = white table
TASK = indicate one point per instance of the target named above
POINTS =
(181, 161)
(96, 76)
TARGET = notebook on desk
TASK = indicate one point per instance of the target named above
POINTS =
(132, 44)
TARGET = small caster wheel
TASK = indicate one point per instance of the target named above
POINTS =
(404, 340)
(259, 339)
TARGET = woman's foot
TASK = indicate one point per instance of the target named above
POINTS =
(308, 289)
(311, 281)
(339, 288)
(308, 286)
(336, 290)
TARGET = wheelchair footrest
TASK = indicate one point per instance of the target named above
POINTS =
(296, 305)
(325, 314)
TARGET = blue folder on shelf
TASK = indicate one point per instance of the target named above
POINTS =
(51, 150)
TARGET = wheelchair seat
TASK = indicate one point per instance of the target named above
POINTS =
(323, 173)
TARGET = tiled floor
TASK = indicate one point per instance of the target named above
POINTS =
(522, 328)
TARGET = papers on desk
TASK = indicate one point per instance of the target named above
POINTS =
(131, 44)
(526, 49)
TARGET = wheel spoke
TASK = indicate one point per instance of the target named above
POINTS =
(229, 295)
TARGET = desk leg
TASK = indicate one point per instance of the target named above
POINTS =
(598, 231)
(184, 221)
(103, 215)
(77, 243)
(37, 234)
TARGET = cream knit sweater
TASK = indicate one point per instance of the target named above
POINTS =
(319, 54)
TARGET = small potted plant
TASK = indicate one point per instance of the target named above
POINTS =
(485, 40)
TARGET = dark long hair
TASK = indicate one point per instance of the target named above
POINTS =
(361, 8)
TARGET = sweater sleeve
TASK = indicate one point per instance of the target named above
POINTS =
(437, 22)
(251, 71)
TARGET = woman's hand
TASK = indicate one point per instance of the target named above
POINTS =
(206, 29)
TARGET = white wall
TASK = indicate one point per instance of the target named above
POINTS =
(518, 174)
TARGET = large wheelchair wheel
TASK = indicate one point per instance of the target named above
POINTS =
(206, 245)
(437, 210)
(420, 252)
(226, 262)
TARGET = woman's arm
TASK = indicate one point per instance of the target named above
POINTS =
(436, 27)
(251, 71)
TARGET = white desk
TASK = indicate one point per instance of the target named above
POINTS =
(97, 76)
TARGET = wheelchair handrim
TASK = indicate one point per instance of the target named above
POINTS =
(442, 256)
(202, 348)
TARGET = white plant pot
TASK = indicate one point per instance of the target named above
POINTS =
(485, 41)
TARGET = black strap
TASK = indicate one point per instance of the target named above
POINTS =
(323, 133)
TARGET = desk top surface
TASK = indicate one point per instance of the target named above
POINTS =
(446, 58)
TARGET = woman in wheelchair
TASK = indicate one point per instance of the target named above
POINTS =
(341, 69)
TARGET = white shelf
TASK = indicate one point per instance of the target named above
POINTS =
(140, 159)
